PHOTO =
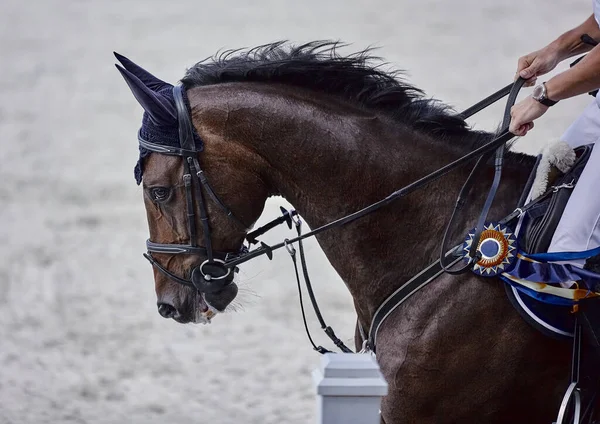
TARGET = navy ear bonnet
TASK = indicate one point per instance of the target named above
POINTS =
(159, 123)
(167, 135)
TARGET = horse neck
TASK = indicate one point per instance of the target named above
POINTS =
(329, 159)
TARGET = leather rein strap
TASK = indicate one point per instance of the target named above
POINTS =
(466, 188)
(502, 138)
(437, 268)
(434, 270)
(327, 329)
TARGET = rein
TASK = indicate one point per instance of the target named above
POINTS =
(498, 142)
(466, 188)
(432, 271)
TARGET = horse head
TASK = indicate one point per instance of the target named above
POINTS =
(200, 201)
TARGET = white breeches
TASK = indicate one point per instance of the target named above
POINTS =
(579, 227)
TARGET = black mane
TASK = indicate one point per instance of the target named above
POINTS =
(318, 66)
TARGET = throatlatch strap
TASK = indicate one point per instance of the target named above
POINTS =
(189, 201)
(202, 208)
(213, 195)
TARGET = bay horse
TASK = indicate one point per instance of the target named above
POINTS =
(333, 134)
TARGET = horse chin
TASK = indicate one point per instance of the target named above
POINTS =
(203, 312)
(211, 304)
(219, 301)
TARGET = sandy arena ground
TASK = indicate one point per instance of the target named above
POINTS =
(80, 338)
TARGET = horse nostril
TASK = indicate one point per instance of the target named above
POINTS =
(166, 311)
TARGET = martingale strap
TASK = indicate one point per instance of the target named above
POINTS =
(498, 164)
(397, 298)
(429, 274)
(327, 329)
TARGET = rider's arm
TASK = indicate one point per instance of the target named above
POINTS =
(581, 78)
(570, 44)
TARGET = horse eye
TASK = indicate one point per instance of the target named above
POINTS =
(160, 194)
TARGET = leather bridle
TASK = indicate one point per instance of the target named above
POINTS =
(212, 275)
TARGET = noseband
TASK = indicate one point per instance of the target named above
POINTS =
(211, 275)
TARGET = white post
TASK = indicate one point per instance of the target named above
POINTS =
(349, 389)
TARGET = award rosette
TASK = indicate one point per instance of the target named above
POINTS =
(497, 249)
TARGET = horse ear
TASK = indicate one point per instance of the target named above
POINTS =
(149, 80)
(161, 109)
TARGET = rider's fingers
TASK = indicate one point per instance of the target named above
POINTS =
(522, 130)
(514, 123)
(523, 63)
(515, 126)
(527, 68)
(530, 71)
(528, 83)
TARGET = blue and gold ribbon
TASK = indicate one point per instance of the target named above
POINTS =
(537, 275)
(546, 281)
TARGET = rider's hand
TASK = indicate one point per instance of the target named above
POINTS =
(537, 63)
(523, 114)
